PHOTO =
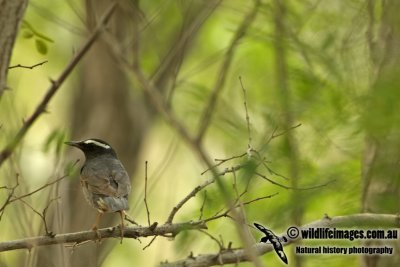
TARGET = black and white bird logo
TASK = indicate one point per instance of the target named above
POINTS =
(274, 240)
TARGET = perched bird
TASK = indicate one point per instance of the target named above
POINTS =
(105, 182)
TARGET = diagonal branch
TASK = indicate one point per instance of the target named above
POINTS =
(186, 199)
(55, 85)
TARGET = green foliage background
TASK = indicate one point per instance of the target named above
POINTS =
(329, 75)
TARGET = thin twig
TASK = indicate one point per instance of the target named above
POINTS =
(187, 198)
(42, 214)
(230, 170)
(241, 222)
(55, 85)
(220, 244)
(10, 195)
(264, 163)
(290, 187)
(203, 205)
(145, 194)
(247, 113)
(235, 186)
(259, 198)
(28, 67)
(38, 189)
(275, 135)
(222, 161)
(151, 242)
(218, 214)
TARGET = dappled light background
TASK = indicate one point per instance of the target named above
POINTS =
(321, 90)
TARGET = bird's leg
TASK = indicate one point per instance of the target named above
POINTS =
(95, 226)
(121, 214)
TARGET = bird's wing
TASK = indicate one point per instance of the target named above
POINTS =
(112, 180)
(120, 177)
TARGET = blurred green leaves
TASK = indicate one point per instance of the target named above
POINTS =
(41, 40)
(55, 140)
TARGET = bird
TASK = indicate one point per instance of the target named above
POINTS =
(105, 182)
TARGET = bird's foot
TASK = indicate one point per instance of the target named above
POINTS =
(121, 228)
(98, 234)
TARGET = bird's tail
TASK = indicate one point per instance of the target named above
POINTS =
(115, 204)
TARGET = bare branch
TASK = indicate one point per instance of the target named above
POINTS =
(28, 67)
(187, 198)
(247, 113)
(259, 198)
(222, 161)
(42, 215)
(111, 232)
(151, 242)
(55, 85)
(275, 135)
(219, 243)
(10, 195)
(43, 186)
(38, 189)
(290, 187)
(219, 213)
(203, 205)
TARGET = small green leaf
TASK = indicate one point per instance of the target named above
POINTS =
(27, 25)
(71, 169)
(27, 34)
(41, 46)
(55, 140)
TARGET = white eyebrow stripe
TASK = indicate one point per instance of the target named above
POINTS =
(97, 144)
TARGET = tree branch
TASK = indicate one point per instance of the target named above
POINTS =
(28, 67)
(239, 255)
(11, 13)
(55, 85)
(84, 236)
(186, 199)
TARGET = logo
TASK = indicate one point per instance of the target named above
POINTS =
(274, 240)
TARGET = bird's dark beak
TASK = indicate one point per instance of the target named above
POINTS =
(73, 143)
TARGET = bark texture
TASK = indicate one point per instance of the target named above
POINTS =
(11, 13)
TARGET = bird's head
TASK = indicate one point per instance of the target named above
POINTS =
(93, 147)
